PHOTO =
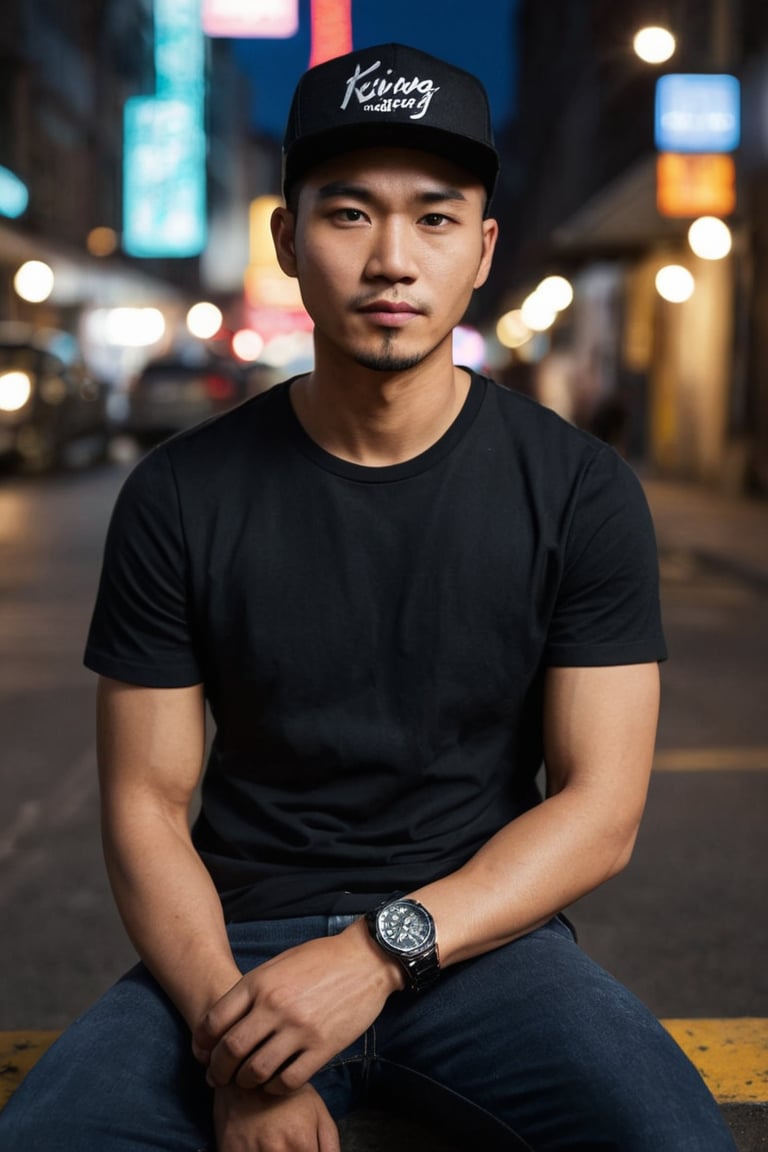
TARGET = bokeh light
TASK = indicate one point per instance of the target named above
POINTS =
(511, 329)
(247, 344)
(537, 313)
(675, 283)
(654, 45)
(468, 347)
(710, 238)
(204, 320)
(34, 281)
(15, 390)
(134, 327)
(101, 241)
(556, 292)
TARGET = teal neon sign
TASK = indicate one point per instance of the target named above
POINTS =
(163, 178)
(14, 195)
(164, 162)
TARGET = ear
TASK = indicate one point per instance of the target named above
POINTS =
(283, 225)
(490, 236)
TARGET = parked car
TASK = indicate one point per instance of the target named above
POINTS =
(176, 391)
(52, 409)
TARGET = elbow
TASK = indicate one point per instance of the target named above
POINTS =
(622, 851)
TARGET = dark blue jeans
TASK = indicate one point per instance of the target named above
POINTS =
(530, 1046)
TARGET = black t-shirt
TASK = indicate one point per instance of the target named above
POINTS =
(372, 641)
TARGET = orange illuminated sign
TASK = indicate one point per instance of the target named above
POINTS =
(695, 184)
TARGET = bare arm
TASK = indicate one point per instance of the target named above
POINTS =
(303, 1007)
(150, 752)
(599, 730)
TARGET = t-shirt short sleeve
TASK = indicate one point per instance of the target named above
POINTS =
(140, 630)
(607, 610)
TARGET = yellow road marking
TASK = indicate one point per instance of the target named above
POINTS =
(732, 1055)
(18, 1052)
(711, 760)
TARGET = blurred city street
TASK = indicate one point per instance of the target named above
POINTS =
(683, 926)
(143, 156)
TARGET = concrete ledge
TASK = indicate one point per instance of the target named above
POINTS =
(19, 1051)
(731, 1054)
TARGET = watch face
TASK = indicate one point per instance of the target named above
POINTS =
(404, 926)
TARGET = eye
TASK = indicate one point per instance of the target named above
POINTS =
(434, 219)
(349, 215)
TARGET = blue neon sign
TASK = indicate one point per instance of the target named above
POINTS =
(697, 113)
(14, 196)
(179, 50)
(164, 206)
(164, 161)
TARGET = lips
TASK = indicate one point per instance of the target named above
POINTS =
(390, 313)
(389, 306)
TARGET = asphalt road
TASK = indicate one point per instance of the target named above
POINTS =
(684, 925)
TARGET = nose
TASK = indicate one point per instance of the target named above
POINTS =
(392, 255)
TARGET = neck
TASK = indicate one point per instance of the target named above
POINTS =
(379, 418)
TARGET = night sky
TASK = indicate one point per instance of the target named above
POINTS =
(478, 37)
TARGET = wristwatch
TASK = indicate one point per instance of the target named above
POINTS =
(405, 929)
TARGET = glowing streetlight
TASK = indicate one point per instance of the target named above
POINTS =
(654, 45)
(247, 344)
(710, 238)
(204, 320)
(675, 283)
(537, 313)
(511, 330)
(556, 291)
(15, 390)
(134, 327)
(101, 241)
(34, 281)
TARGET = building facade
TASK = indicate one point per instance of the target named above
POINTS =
(66, 72)
(681, 386)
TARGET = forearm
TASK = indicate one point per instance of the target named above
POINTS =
(531, 869)
(600, 729)
(170, 908)
(151, 745)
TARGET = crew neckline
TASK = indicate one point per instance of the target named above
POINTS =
(367, 474)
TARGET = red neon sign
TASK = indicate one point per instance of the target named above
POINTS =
(331, 30)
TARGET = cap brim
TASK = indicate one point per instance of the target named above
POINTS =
(474, 156)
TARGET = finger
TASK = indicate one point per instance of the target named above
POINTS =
(327, 1135)
(295, 1073)
(267, 1062)
(202, 1055)
(221, 1017)
(231, 1052)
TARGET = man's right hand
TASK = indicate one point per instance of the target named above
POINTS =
(255, 1121)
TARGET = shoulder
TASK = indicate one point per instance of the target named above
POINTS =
(238, 430)
(555, 455)
(527, 417)
(217, 448)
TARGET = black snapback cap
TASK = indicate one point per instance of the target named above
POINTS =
(389, 94)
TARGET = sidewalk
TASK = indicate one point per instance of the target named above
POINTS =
(729, 532)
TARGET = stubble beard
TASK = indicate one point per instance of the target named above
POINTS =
(387, 359)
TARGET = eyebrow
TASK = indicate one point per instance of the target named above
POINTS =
(360, 192)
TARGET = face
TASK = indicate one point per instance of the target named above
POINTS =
(388, 245)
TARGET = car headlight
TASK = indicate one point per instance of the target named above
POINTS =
(15, 390)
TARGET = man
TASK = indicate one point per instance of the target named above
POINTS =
(400, 588)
